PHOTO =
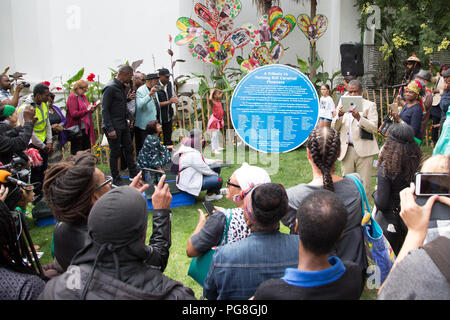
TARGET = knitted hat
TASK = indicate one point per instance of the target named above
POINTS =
(8, 111)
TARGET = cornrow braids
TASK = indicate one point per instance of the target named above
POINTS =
(324, 146)
(68, 188)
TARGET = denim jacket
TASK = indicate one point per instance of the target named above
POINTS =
(237, 269)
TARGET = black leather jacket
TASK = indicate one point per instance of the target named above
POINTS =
(70, 238)
(14, 140)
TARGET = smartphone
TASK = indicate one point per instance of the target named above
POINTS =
(428, 184)
(209, 207)
(97, 102)
(151, 175)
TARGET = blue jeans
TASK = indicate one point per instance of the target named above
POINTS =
(212, 184)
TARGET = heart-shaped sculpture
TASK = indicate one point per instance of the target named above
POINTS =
(280, 26)
(199, 51)
(314, 29)
(239, 37)
(191, 30)
(261, 56)
(228, 8)
(224, 28)
(204, 14)
(221, 53)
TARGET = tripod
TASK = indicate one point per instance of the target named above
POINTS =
(26, 245)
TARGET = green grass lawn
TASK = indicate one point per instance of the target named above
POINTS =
(293, 169)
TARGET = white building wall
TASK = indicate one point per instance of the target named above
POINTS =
(53, 39)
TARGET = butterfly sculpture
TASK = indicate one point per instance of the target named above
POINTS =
(273, 28)
(217, 46)
(313, 29)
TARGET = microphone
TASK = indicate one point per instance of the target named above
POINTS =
(5, 177)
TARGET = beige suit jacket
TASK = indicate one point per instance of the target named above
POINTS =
(368, 122)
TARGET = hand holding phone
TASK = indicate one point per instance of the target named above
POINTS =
(429, 184)
(209, 207)
(151, 174)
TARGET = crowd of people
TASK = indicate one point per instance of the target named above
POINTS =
(99, 240)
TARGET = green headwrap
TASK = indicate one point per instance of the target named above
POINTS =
(8, 111)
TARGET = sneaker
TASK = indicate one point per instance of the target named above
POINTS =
(220, 149)
(216, 152)
(117, 182)
(213, 197)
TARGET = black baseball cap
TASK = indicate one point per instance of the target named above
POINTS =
(152, 76)
(164, 72)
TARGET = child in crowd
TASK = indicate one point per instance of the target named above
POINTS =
(215, 122)
(326, 107)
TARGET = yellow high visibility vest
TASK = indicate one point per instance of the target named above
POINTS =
(40, 127)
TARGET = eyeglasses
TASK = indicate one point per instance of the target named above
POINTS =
(107, 181)
(232, 184)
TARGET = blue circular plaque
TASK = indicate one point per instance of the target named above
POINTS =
(274, 108)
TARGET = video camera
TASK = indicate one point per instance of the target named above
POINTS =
(15, 176)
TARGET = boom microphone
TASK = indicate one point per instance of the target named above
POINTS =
(5, 177)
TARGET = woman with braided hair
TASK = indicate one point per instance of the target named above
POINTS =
(323, 148)
(18, 281)
(399, 160)
(71, 188)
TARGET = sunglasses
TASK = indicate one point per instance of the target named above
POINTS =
(107, 181)
(232, 184)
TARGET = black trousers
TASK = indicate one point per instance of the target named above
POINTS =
(123, 140)
(38, 173)
(80, 144)
(139, 138)
(167, 133)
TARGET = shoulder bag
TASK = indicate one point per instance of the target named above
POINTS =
(380, 256)
(74, 132)
(199, 267)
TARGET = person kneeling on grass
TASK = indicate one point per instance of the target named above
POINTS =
(321, 219)
(116, 263)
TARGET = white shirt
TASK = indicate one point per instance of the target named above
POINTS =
(326, 108)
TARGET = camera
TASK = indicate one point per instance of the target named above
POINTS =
(25, 84)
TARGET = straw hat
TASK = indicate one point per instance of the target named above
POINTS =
(413, 58)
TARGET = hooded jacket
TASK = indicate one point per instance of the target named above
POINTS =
(192, 168)
(115, 264)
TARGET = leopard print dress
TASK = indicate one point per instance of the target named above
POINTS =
(237, 228)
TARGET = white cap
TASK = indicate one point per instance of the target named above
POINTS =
(247, 175)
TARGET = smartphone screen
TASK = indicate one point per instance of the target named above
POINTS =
(209, 207)
(151, 176)
(432, 183)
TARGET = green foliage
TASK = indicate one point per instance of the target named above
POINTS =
(420, 27)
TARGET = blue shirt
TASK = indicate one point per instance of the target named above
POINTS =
(445, 102)
(308, 279)
(413, 117)
(237, 269)
(145, 107)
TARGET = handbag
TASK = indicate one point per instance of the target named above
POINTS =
(199, 267)
(380, 255)
(73, 132)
